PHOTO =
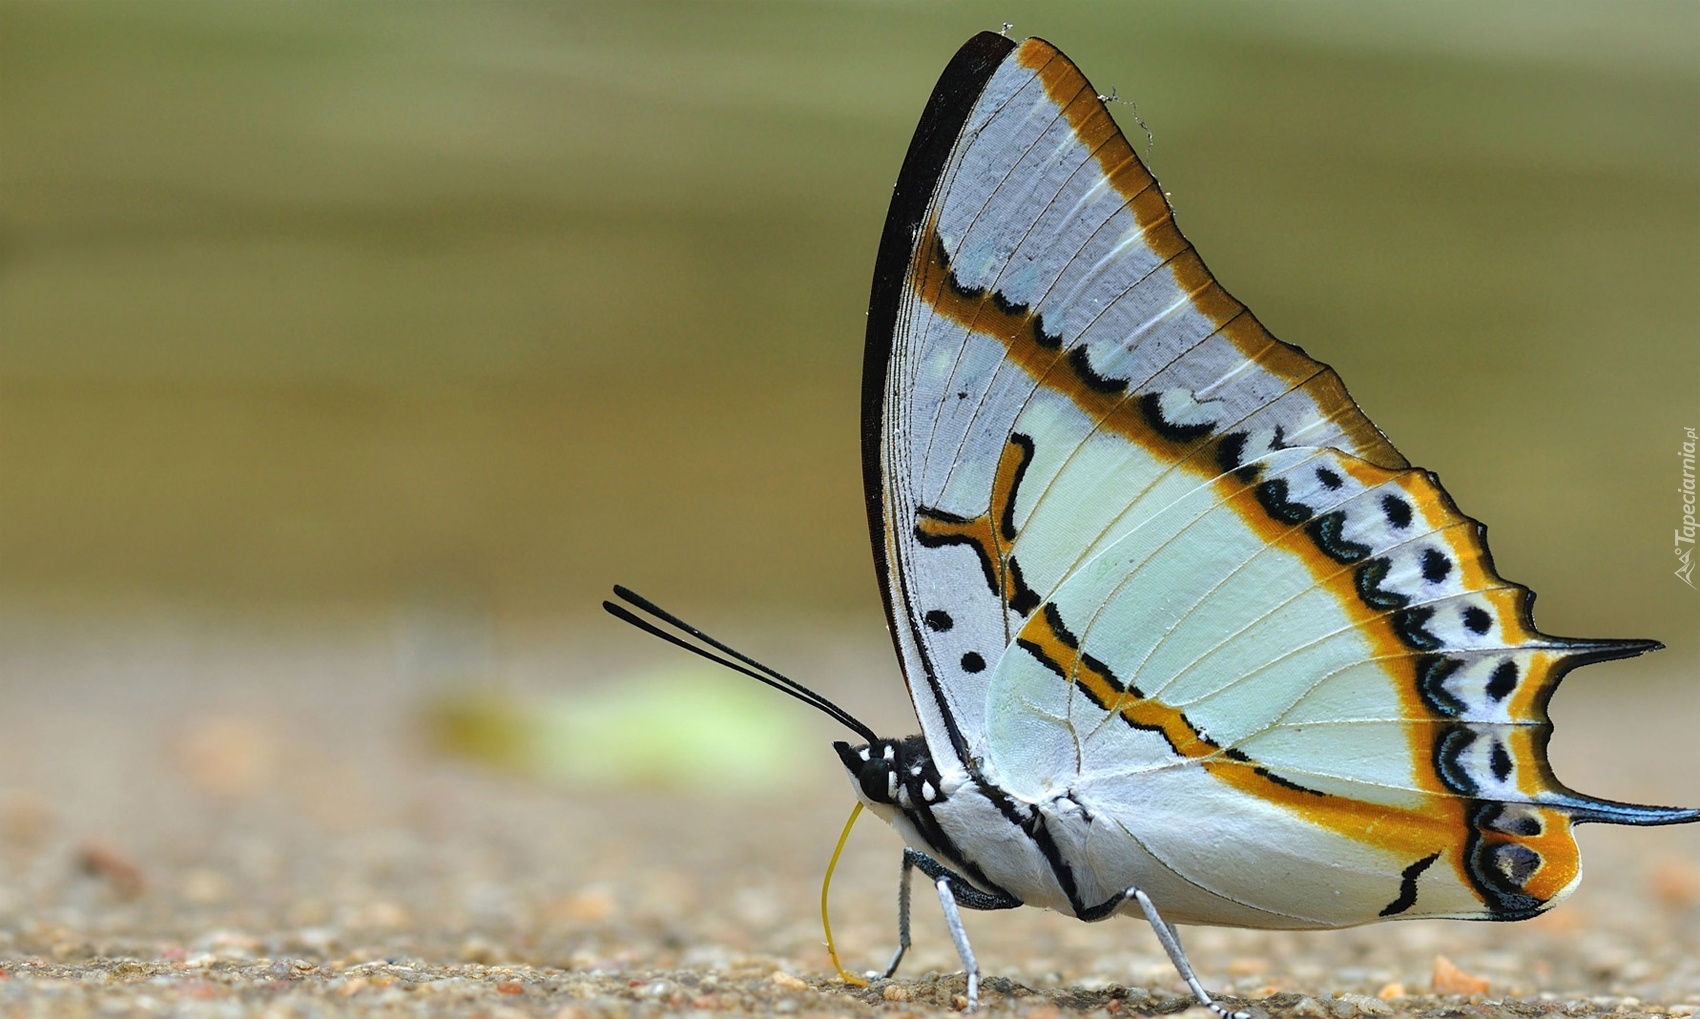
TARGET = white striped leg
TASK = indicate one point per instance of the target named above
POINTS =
(960, 892)
(953, 920)
(1172, 944)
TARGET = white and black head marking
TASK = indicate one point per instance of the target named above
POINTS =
(893, 773)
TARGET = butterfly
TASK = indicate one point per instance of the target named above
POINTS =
(1187, 637)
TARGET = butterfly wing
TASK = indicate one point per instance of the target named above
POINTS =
(1022, 217)
(1138, 551)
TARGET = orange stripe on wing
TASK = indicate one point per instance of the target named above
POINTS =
(1037, 353)
(991, 533)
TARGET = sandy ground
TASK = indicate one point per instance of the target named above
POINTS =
(221, 823)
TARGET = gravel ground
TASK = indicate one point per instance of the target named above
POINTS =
(222, 823)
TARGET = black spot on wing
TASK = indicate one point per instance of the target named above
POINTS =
(1398, 511)
(1503, 680)
(1511, 821)
(1329, 479)
(1517, 862)
(972, 662)
(1500, 762)
(938, 621)
(1497, 869)
(1435, 565)
(1476, 620)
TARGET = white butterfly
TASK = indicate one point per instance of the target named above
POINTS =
(1188, 638)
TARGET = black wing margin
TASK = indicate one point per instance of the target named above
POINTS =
(947, 110)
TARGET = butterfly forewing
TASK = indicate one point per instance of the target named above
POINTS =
(1033, 256)
(1140, 554)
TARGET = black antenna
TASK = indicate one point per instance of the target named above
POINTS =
(749, 667)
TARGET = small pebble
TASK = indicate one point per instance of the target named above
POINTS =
(98, 859)
(1449, 979)
(480, 950)
(1363, 1004)
(787, 981)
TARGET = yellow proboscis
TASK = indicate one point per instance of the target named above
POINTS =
(826, 883)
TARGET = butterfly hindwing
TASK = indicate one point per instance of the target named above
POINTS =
(1284, 642)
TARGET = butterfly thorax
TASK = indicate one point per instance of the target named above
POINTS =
(962, 820)
(899, 780)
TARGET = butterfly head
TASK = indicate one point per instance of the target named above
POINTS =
(889, 773)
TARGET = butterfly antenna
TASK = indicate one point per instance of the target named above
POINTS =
(737, 660)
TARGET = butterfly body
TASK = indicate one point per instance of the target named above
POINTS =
(1056, 853)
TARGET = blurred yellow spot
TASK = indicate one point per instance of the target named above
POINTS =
(679, 727)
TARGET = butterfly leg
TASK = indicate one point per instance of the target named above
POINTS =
(902, 913)
(1171, 941)
(953, 919)
(965, 893)
(953, 890)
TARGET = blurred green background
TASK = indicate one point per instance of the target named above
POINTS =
(309, 305)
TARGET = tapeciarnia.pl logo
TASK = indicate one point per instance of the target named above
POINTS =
(1685, 534)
